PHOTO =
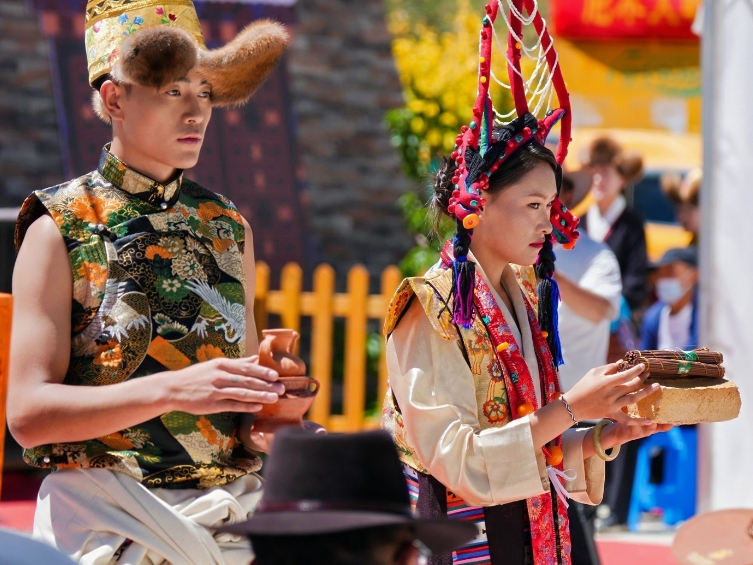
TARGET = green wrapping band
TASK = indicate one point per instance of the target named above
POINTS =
(684, 368)
(690, 355)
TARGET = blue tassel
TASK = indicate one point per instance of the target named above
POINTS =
(555, 345)
(549, 298)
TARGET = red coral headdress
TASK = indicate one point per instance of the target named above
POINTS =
(481, 147)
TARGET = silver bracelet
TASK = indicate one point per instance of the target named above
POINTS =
(562, 398)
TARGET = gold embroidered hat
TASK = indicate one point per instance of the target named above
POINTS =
(151, 42)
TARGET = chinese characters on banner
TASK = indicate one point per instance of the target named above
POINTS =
(624, 19)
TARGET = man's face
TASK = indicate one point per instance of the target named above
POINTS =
(165, 125)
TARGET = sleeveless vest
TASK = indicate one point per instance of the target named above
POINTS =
(158, 285)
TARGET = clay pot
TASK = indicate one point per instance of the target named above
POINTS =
(291, 406)
(276, 352)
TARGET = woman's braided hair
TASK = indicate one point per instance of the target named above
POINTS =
(514, 168)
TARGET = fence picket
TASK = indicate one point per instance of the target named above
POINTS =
(291, 283)
(391, 278)
(323, 305)
(321, 341)
(260, 297)
(6, 315)
(354, 393)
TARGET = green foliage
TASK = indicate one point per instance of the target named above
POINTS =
(436, 52)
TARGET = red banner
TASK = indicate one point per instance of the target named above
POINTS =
(624, 19)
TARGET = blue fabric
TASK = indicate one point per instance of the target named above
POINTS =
(650, 330)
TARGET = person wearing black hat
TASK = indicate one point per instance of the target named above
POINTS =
(672, 321)
(341, 499)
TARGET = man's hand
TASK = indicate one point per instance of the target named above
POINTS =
(221, 385)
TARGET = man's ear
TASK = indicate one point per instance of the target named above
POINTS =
(109, 103)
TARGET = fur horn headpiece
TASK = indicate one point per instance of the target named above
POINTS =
(152, 43)
(488, 141)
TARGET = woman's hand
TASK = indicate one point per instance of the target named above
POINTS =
(603, 392)
(617, 433)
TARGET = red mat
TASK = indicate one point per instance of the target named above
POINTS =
(626, 553)
(19, 515)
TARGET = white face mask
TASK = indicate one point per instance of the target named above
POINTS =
(670, 290)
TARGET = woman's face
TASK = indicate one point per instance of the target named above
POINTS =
(515, 222)
(607, 182)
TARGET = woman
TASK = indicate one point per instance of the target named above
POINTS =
(475, 406)
(449, 408)
(610, 221)
(684, 194)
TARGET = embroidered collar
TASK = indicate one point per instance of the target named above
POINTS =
(125, 178)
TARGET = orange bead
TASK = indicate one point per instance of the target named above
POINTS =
(555, 456)
(545, 334)
(556, 396)
(504, 346)
(471, 221)
(525, 409)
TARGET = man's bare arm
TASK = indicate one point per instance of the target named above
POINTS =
(41, 409)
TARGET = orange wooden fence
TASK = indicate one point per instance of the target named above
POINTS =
(6, 309)
(323, 305)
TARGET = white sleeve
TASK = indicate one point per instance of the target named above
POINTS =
(435, 392)
(603, 278)
(588, 485)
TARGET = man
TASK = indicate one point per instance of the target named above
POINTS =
(672, 321)
(342, 499)
(133, 321)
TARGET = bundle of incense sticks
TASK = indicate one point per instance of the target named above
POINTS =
(696, 363)
(702, 355)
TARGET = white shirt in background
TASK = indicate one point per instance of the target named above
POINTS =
(592, 266)
(599, 226)
(674, 330)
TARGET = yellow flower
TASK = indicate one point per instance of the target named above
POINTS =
(417, 125)
(434, 137)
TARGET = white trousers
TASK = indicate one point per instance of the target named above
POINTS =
(89, 513)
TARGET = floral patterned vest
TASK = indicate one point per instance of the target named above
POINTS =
(158, 285)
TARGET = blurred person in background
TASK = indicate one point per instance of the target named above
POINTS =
(591, 289)
(672, 321)
(684, 193)
(610, 221)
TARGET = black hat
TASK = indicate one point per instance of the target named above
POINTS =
(687, 255)
(320, 484)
